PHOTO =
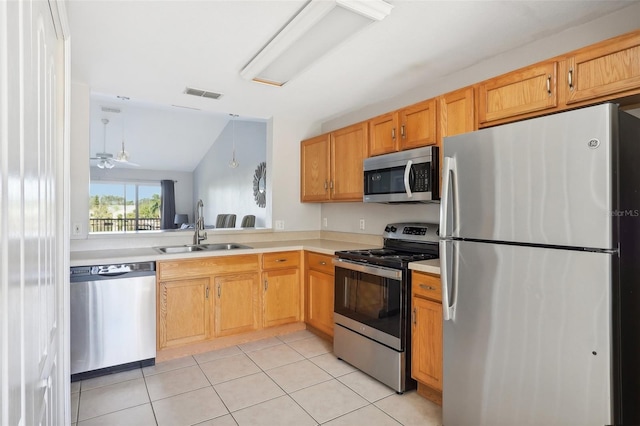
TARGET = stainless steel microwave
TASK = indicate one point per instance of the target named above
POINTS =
(402, 177)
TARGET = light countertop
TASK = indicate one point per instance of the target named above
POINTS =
(431, 266)
(147, 254)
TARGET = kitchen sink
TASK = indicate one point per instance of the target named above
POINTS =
(223, 246)
(188, 248)
(178, 249)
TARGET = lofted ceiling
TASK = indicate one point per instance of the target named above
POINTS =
(149, 51)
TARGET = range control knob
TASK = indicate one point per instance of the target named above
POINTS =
(394, 229)
(387, 228)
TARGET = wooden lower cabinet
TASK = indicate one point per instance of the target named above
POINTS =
(281, 297)
(281, 288)
(319, 292)
(426, 366)
(426, 333)
(237, 303)
(184, 311)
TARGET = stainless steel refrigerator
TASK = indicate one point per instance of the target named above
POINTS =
(540, 261)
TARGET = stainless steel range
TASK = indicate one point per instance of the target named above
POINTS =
(373, 303)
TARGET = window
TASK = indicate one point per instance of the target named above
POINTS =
(124, 207)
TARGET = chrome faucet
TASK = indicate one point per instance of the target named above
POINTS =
(200, 233)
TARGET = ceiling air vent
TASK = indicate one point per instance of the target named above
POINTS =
(202, 93)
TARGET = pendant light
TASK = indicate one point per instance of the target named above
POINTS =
(105, 159)
(233, 163)
(123, 155)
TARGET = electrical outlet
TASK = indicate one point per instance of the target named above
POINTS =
(77, 229)
(324, 222)
(280, 224)
(362, 224)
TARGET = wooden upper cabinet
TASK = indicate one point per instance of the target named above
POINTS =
(348, 151)
(383, 134)
(418, 125)
(518, 94)
(315, 168)
(410, 127)
(457, 113)
(603, 71)
(331, 165)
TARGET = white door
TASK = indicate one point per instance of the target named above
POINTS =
(32, 231)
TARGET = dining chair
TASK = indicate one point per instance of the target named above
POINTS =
(226, 221)
(248, 221)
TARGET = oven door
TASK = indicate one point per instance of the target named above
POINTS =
(370, 301)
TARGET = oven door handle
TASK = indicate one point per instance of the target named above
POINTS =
(394, 274)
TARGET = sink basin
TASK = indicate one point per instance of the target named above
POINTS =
(223, 246)
(200, 247)
(178, 249)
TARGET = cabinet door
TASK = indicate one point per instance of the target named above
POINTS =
(320, 301)
(281, 297)
(518, 93)
(348, 151)
(383, 134)
(605, 69)
(426, 352)
(237, 303)
(457, 115)
(184, 314)
(314, 173)
(418, 125)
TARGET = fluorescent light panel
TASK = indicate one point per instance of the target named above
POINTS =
(316, 29)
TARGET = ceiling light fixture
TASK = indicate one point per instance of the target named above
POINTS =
(317, 28)
(233, 163)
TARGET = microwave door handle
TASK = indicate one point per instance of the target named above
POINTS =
(407, 185)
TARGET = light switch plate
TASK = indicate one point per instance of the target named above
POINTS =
(279, 224)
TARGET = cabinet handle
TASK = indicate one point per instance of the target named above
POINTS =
(266, 285)
(218, 290)
(549, 84)
(331, 184)
(413, 316)
(323, 263)
(281, 260)
(326, 185)
(570, 78)
(427, 287)
(207, 293)
(393, 133)
(402, 131)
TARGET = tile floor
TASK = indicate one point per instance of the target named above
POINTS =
(292, 379)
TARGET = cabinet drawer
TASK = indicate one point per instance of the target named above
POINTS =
(427, 286)
(284, 259)
(320, 263)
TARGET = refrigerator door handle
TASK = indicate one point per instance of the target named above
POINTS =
(448, 197)
(448, 280)
(407, 185)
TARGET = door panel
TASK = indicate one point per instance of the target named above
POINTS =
(536, 181)
(530, 339)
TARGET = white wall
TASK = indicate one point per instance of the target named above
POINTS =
(183, 185)
(226, 190)
(79, 197)
(345, 217)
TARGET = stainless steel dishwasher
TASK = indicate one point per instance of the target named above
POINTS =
(113, 318)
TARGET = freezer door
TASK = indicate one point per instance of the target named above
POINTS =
(542, 181)
(529, 340)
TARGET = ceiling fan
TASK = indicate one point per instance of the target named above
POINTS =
(107, 160)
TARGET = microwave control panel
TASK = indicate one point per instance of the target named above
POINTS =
(421, 176)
